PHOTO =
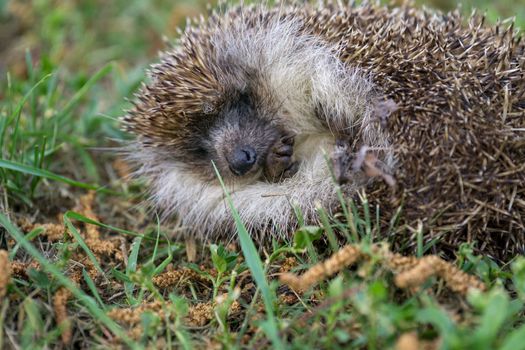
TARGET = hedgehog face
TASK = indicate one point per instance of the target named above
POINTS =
(240, 139)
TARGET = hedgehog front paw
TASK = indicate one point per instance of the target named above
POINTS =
(279, 163)
(341, 162)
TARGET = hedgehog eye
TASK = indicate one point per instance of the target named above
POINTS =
(245, 98)
(200, 152)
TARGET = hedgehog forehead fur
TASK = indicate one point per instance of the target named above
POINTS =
(269, 58)
(253, 73)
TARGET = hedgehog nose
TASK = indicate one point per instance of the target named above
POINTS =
(242, 160)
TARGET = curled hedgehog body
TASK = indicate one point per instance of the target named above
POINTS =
(268, 94)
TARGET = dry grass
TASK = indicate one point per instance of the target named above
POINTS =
(5, 272)
(60, 299)
(411, 272)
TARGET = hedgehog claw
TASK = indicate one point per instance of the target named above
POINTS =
(288, 140)
(283, 150)
(291, 170)
(279, 164)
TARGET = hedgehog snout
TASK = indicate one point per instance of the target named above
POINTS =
(243, 158)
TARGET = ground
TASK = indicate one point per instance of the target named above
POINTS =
(84, 264)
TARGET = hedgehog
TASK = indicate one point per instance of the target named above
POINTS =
(297, 103)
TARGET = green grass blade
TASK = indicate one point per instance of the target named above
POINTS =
(132, 267)
(29, 170)
(93, 288)
(163, 264)
(72, 229)
(168, 259)
(76, 216)
(3, 313)
(493, 317)
(515, 340)
(38, 164)
(85, 299)
(85, 88)
(256, 268)
(16, 116)
(155, 249)
(30, 236)
(332, 239)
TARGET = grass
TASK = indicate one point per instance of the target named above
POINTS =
(66, 73)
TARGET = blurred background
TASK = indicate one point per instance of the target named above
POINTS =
(80, 35)
(59, 99)
(73, 39)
